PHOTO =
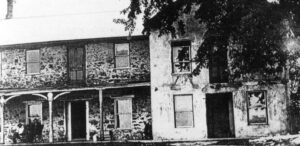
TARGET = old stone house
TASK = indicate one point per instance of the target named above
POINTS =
(68, 85)
(112, 85)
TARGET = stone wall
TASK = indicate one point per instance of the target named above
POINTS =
(52, 73)
(141, 106)
(15, 112)
(100, 64)
(53, 66)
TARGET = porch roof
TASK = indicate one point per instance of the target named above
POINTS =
(11, 92)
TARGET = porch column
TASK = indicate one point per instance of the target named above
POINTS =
(50, 100)
(87, 108)
(2, 101)
(101, 113)
(69, 122)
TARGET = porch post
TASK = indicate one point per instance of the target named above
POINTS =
(2, 101)
(87, 119)
(69, 122)
(65, 120)
(101, 113)
(50, 100)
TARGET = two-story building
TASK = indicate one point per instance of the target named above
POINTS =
(192, 107)
(75, 88)
(113, 85)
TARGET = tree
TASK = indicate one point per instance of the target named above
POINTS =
(253, 32)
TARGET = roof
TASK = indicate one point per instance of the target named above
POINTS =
(59, 28)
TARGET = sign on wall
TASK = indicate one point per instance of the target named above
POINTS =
(257, 107)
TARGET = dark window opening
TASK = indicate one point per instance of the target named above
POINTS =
(181, 57)
(217, 68)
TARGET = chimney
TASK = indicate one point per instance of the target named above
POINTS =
(9, 13)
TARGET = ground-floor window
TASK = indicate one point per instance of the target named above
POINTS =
(34, 111)
(257, 107)
(184, 114)
(123, 113)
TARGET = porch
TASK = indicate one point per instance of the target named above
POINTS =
(78, 114)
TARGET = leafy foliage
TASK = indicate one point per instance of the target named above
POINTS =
(253, 32)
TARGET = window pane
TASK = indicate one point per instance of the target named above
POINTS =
(35, 111)
(79, 75)
(184, 119)
(71, 58)
(122, 49)
(33, 68)
(124, 106)
(73, 75)
(183, 103)
(33, 55)
(181, 53)
(182, 67)
(125, 121)
(122, 61)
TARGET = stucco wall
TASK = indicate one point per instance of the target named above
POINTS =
(53, 66)
(164, 85)
(276, 110)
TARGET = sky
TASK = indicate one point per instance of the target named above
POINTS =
(52, 20)
(38, 8)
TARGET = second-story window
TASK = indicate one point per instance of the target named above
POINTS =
(76, 64)
(217, 68)
(181, 57)
(122, 55)
(33, 61)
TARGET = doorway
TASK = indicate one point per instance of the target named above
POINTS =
(78, 120)
(220, 117)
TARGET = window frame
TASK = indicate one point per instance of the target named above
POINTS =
(181, 43)
(39, 62)
(116, 113)
(266, 107)
(27, 110)
(83, 64)
(175, 111)
(115, 55)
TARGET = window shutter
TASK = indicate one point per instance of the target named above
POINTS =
(71, 58)
(79, 58)
(124, 113)
(33, 61)
(76, 64)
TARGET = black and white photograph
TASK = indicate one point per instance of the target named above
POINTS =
(149, 72)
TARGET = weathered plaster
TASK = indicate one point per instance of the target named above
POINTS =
(164, 85)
